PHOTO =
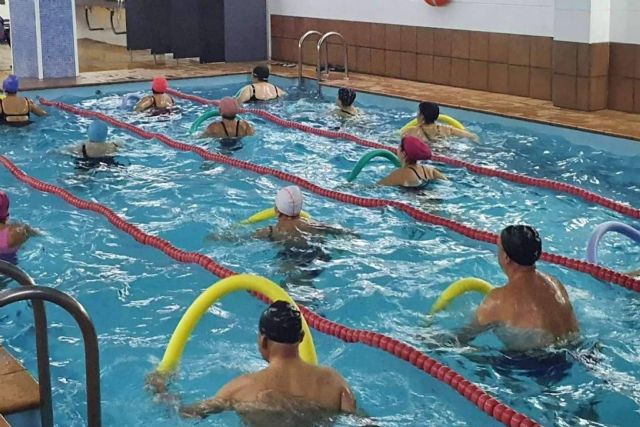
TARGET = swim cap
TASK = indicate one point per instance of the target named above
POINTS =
(289, 201)
(429, 111)
(4, 206)
(282, 323)
(11, 84)
(522, 244)
(228, 107)
(261, 72)
(98, 131)
(160, 85)
(415, 149)
(347, 96)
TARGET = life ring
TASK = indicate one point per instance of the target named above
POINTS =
(441, 118)
(437, 2)
(267, 214)
(370, 156)
(462, 286)
(602, 229)
(241, 282)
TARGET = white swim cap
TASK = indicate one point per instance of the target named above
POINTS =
(289, 201)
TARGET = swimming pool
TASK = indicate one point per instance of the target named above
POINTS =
(385, 280)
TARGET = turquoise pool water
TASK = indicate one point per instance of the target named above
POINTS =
(385, 280)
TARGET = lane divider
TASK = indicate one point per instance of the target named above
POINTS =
(597, 271)
(487, 403)
(548, 184)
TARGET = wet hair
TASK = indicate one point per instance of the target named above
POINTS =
(522, 244)
(261, 72)
(282, 323)
(429, 111)
(346, 96)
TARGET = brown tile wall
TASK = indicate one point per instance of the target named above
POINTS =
(572, 75)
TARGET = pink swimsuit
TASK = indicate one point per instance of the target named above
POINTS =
(4, 242)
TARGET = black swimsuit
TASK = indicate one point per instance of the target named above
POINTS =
(92, 162)
(230, 141)
(423, 180)
(253, 94)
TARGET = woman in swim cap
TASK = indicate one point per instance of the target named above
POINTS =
(429, 130)
(14, 109)
(260, 89)
(229, 127)
(411, 174)
(12, 236)
(345, 100)
(96, 150)
(159, 102)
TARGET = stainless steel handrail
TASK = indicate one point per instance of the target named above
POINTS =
(300, 43)
(92, 357)
(42, 342)
(346, 55)
(113, 27)
(87, 12)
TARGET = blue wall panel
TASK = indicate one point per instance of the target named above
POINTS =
(23, 38)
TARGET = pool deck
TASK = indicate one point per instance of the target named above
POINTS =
(114, 59)
(18, 391)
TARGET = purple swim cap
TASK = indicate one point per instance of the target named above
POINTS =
(4, 206)
(11, 84)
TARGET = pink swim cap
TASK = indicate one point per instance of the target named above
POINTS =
(228, 107)
(4, 206)
(160, 85)
(415, 148)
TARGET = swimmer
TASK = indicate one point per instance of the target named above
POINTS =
(430, 131)
(287, 387)
(345, 100)
(260, 89)
(14, 109)
(97, 150)
(159, 102)
(12, 236)
(229, 126)
(292, 228)
(411, 174)
(533, 309)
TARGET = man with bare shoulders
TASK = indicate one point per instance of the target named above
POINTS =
(533, 309)
(288, 384)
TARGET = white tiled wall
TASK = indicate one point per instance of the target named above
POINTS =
(529, 17)
(625, 21)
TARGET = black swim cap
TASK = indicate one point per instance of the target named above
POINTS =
(261, 72)
(522, 244)
(429, 111)
(282, 323)
(346, 96)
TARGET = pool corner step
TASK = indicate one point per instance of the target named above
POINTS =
(19, 394)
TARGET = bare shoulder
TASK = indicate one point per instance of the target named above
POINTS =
(488, 311)
(236, 386)
(394, 178)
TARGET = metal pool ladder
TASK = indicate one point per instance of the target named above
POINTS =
(322, 42)
(92, 362)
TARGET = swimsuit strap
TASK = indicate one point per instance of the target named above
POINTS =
(237, 127)
(84, 151)
(270, 231)
(253, 91)
(418, 175)
(4, 239)
(225, 128)
(426, 135)
(276, 88)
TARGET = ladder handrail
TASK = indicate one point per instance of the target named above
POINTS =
(92, 356)
(300, 43)
(42, 342)
(346, 54)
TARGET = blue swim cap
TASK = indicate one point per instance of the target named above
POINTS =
(98, 131)
(11, 84)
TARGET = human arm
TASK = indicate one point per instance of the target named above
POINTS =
(248, 128)
(465, 134)
(244, 95)
(144, 104)
(222, 401)
(35, 109)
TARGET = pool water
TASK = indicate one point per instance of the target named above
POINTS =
(385, 280)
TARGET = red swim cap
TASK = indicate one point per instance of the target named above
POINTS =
(160, 85)
(228, 107)
(415, 148)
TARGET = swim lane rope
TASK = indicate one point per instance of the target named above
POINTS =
(599, 272)
(481, 170)
(470, 391)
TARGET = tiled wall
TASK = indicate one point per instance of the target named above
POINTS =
(572, 75)
(23, 38)
(58, 41)
(513, 64)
